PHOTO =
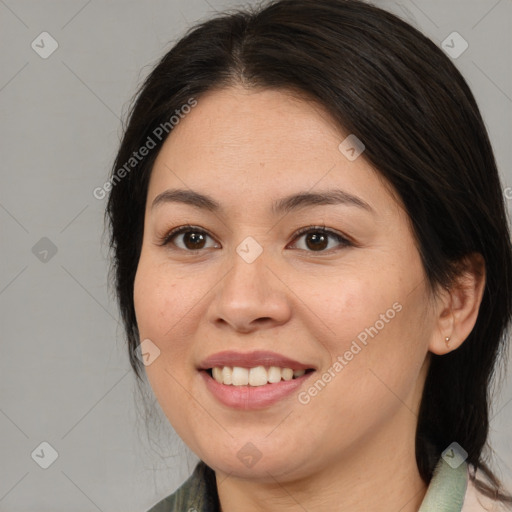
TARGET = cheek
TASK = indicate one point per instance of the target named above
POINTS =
(147, 298)
(157, 309)
(385, 371)
(166, 308)
(378, 334)
(350, 308)
(160, 308)
(158, 302)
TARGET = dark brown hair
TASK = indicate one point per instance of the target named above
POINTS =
(393, 88)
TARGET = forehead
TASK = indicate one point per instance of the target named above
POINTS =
(257, 122)
(238, 144)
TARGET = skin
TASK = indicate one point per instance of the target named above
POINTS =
(352, 446)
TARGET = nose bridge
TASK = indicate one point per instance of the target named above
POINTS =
(249, 261)
(249, 290)
(250, 250)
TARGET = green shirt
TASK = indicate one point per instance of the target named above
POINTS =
(445, 493)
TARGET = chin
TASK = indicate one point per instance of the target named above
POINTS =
(248, 462)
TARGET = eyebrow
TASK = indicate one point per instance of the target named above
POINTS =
(284, 205)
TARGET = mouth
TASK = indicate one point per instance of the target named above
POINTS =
(255, 380)
(255, 376)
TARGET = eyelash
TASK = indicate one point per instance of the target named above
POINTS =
(344, 242)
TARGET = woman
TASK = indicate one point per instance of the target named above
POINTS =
(313, 263)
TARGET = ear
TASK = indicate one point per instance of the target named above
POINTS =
(458, 306)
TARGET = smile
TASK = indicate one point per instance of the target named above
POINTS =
(254, 380)
(256, 376)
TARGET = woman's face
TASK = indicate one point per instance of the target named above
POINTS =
(241, 289)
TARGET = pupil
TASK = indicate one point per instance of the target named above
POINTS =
(194, 238)
(316, 237)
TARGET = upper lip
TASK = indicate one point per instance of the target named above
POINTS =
(251, 360)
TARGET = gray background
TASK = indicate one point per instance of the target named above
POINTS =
(64, 372)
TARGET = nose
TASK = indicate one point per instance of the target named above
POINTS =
(252, 295)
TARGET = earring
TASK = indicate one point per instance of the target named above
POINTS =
(447, 341)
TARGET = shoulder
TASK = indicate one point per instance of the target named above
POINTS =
(475, 501)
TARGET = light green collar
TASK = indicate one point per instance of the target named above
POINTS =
(447, 488)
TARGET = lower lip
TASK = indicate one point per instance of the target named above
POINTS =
(252, 397)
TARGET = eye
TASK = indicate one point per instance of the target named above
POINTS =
(317, 238)
(193, 238)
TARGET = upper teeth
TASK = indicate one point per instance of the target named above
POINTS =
(258, 376)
